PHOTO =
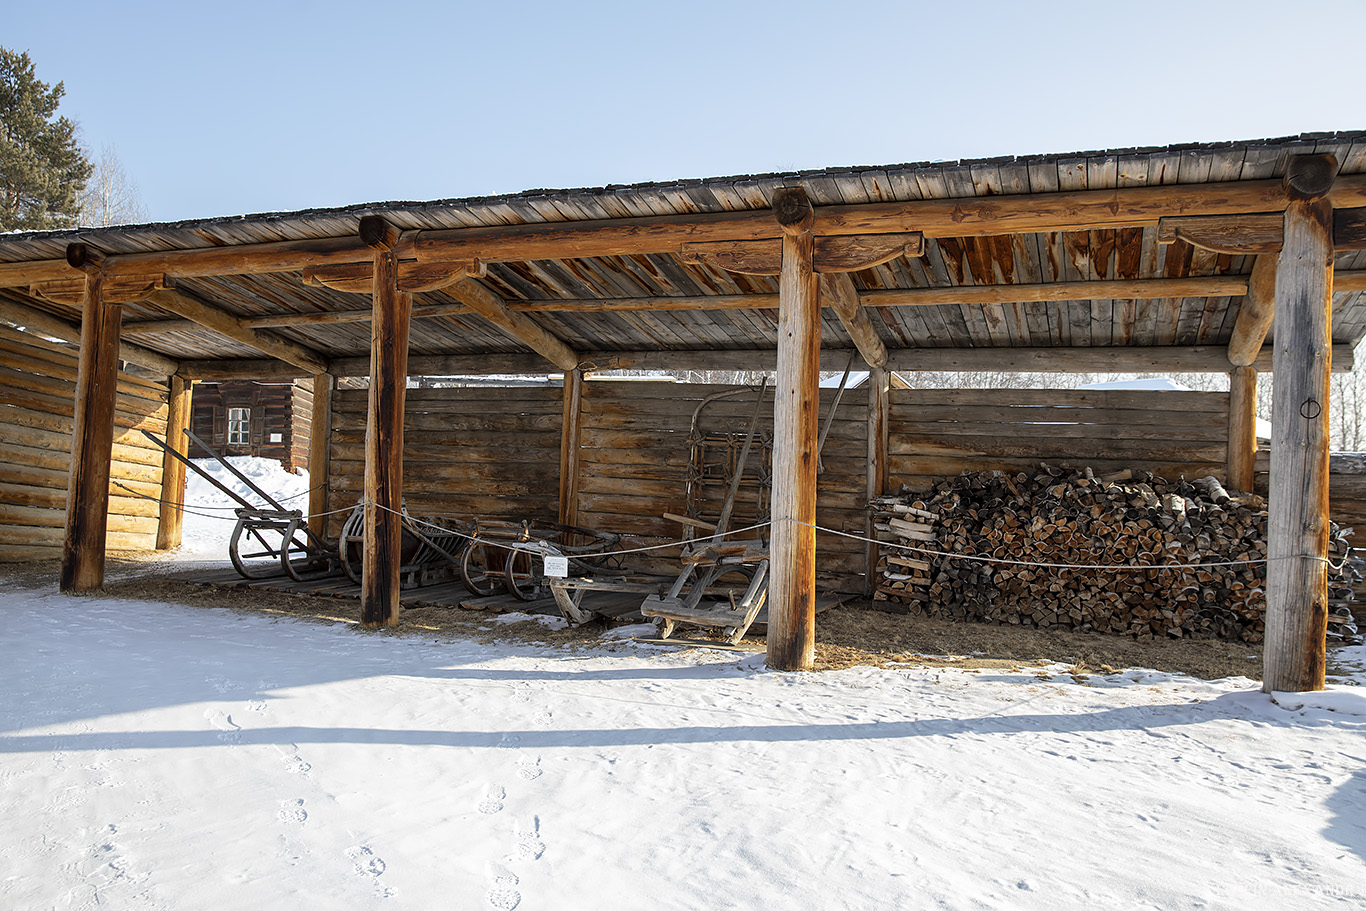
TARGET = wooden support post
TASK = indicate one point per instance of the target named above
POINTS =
(1242, 428)
(879, 417)
(570, 434)
(319, 454)
(796, 425)
(384, 432)
(92, 439)
(1296, 580)
(172, 520)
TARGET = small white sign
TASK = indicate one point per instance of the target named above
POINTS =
(557, 567)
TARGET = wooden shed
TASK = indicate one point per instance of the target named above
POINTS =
(1176, 259)
(270, 419)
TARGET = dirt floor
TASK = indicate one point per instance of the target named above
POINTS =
(850, 635)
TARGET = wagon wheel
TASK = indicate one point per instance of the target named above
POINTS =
(480, 569)
(255, 550)
(351, 543)
(521, 577)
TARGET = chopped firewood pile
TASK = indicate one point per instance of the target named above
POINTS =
(1051, 526)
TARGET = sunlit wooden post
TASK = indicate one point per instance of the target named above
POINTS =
(319, 453)
(571, 434)
(384, 430)
(92, 437)
(1242, 428)
(178, 407)
(1297, 574)
(792, 590)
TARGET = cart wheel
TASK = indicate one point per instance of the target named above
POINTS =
(519, 572)
(477, 570)
(350, 544)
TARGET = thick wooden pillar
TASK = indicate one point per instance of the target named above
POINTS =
(796, 406)
(879, 416)
(178, 408)
(1242, 428)
(92, 437)
(570, 434)
(319, 453)
(392, 309)
(1296, 583)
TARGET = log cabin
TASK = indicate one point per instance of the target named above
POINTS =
(1239, 258)
(265, 418)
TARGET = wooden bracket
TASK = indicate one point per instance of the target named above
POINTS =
(413, 276)
(834, 253)
(1231, 234)
(118, 289)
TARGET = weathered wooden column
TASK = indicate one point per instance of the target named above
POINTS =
(570, 436)
(1296, 585)
(92, 437)
(392, 309)
(879, 416)
(319, 453)
(792, 588)
(178, 408)
(1242, 428)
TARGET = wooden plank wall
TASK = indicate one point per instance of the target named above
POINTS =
(938, 433)
(466, 451)
(1346, 489)
(635, 462)
(37, 395)
(300, 424)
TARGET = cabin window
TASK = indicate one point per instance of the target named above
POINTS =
(239, 426)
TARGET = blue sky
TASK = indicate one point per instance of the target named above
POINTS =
(219, 109)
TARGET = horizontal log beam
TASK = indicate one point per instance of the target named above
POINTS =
(55, 327)
(253, 369)
(1132, 289)
(231, 326)
(956, 217)
(122, 290)
(833, 254)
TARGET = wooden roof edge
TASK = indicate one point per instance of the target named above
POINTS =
(378, 208)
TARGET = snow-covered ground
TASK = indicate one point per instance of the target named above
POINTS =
(159, 756)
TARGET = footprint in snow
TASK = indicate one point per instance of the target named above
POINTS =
(502, 892)
(231, 732)
(493, 803)
(529, 769)
(509, 742)
(293, 811)
(529, 844)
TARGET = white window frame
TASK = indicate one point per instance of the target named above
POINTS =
(239, 426)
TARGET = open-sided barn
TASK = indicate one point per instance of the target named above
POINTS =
(1181, 259)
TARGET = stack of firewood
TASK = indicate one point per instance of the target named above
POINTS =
(903, 574)
(1047, 523)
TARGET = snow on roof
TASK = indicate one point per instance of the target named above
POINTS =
(1157, 383)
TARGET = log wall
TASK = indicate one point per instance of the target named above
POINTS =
(37, 395)
(466, 451)
(938, 433)
(635, 464)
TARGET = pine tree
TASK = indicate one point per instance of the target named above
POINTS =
(42, 167)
